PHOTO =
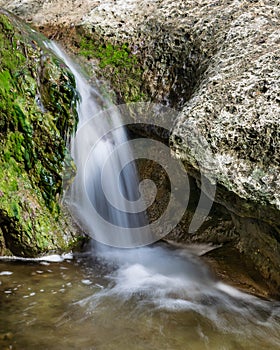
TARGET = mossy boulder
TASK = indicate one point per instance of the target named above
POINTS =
(37, 116)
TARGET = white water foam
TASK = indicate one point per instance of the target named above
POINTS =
(45, 258)
(165, 279)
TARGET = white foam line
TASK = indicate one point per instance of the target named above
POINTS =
(6, 273)
(49, 258)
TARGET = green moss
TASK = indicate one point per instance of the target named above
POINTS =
(118, 65)
(5, 78)
(108, 54)
(32, 141)
(15, 210)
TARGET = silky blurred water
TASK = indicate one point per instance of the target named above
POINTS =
(147, 298)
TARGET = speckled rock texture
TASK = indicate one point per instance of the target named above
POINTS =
(218, 62)
(236, 108)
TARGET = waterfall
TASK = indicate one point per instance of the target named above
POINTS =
(104, 197)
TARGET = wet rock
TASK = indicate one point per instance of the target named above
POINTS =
(33, 143)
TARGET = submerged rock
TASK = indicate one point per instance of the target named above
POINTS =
(37, 115)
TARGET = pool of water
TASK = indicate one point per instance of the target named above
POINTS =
(148, 298)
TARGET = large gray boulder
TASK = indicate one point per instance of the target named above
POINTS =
(236, 108)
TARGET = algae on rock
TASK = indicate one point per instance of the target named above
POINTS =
(37, 115)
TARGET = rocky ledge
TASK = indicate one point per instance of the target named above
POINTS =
(218, 62)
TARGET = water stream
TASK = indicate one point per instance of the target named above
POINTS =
(105, 196)
(153, 297)
(149, 298)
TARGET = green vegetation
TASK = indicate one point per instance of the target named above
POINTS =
(32, 142)
(108, 54)
(118, 65)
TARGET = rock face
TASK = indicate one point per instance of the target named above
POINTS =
(236, 110)
(37, 113)
(218, 62)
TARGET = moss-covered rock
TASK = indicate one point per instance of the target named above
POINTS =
(118, 63)
(37, 115)
(115, 64)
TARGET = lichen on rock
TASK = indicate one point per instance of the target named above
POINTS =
(37, 115)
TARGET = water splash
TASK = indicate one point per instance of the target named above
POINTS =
(163, 279)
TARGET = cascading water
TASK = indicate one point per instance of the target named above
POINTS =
(105, 194)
